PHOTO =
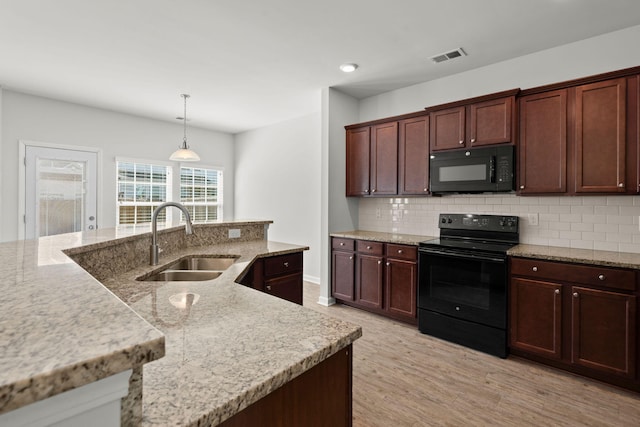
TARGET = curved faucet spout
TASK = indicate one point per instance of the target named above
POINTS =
(154, 250)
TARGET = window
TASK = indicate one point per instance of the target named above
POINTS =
(141, 188)
(201, 193)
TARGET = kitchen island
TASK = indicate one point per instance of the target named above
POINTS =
(229, 349)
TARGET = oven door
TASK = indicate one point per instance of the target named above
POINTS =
(465, 285)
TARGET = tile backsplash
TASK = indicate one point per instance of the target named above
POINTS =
(607, 223)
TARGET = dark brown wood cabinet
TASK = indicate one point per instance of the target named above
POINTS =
(372, 160)
(279, 275)
(378, 277)
(581, 138)
(321, 396)
(542, 145)
(576, 317)
(413, 156)
(486, 120)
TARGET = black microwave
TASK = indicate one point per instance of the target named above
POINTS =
(476, 170)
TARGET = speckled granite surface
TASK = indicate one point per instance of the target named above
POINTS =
(581, 256)
(376, 236)
(232, 347)
(59, 328)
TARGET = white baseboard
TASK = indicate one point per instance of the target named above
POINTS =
(312, 279)
(326, 301)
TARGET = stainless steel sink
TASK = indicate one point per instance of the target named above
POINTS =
(201, 263)
(192, 269)
(183, 275)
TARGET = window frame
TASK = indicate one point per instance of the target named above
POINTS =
(218, 204)
(168, 185)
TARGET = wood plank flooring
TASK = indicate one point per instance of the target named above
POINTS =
(404, 378)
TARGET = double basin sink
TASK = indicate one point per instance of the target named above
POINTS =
(191, 269)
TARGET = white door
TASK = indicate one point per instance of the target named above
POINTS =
(61, 188)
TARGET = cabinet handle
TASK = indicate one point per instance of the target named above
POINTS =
(379, 262)
(341, 243)
(388, 264)
(368, 247)
(399, 251)
(351, 257)
(557, 291)
(268, 287)
(535, 268)
(473, 140)
(373, 191)
(461, 142)
(575, 295)
(601, 277)
(621, 185)
(286, 264)
(522, 187)
(424, 189)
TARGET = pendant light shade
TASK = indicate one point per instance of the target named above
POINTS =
(183, 153)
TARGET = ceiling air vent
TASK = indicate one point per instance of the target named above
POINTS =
(447, 56)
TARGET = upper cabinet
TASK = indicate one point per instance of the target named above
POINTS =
(476, 122)
(388, 157)
(580, 139)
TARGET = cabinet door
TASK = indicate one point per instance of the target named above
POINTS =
(604, 331)
(543, 143)
(384, 159)
(400, 288)
(358, 160)
(286, 287)
(600, 137)
(369, 281)
(413, 152)
(343, 275)
(447, 129)
(536, 317)
(491, 122)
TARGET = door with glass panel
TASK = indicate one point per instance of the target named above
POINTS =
(61, 191)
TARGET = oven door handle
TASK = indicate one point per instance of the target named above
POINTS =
(463, 255)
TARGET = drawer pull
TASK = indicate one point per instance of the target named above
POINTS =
(368, 247)
(351, 257)
(388, 264)
(601, 277)
(286, 264)
(557, 291)
(535, 268)
(268, 287)
(575, 295)
(379, 262)
(341, 243)
(399, 251)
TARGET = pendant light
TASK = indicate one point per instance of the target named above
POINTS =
(183, 153)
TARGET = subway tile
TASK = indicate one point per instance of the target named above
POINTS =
(619, 200)
(619, 237)
(581, 226)
(581, 244)
(628, 247)
(582, 210)
(559, 209)
(594, 201)
(595, 236)
(607, 210)
(594, 219)
(605, 246)
(570, 201)
(606, 228)
(617, 219)
(570, 235)
(559, 226)
(559, 242)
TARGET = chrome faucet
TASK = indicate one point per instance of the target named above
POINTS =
(155, 250)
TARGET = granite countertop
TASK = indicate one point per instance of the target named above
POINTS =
(59, 328)
(580, 256)
(232, 347)
(378, 236)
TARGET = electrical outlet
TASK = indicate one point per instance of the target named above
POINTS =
(234, 233)
(532, 219)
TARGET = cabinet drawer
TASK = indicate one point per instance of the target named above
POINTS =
(342, 244)
(283, 264)
(575, 273)
(372, 248)
(407, 252)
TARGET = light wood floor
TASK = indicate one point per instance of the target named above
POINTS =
(404, 378)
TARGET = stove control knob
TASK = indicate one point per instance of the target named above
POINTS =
(449, 220)
(444, 220)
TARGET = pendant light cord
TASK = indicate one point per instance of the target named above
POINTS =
(184, 140)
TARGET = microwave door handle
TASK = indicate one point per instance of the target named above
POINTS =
(492, 169)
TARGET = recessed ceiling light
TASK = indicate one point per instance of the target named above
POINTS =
(348, 68)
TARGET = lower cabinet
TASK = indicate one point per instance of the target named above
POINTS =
(279, 275)
(580, 318)
(378, 277)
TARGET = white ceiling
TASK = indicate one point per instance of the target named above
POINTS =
(248, 64)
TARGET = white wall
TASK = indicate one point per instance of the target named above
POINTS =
(27, 117)
(277, 177)
(591, 222)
